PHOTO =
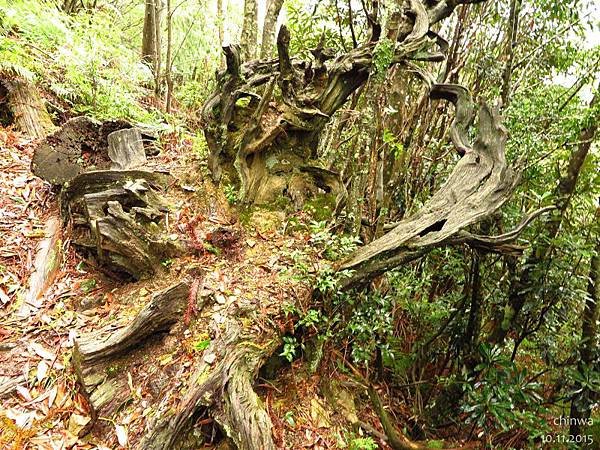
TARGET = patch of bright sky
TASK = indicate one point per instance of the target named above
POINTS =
(591, 39)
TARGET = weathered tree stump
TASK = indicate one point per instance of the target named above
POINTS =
(82, 144)
(120, 217)
(64, 154)
(95, 354)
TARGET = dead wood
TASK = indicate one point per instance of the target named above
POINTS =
(97, 356)
(125, 149)
(47, 262)
(82, 144)
(261, 137)
(120, 217)
(224, 390)
(480, 183)
(27, 107)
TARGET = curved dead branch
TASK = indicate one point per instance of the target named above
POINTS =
(479, 184)
(464, 114)
(500, 243)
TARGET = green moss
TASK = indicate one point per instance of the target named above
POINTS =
(261, 219)
(321, 207)
(112, 371)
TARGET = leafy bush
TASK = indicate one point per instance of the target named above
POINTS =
(502, 396)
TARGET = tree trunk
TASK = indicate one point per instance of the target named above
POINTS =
(149, 37)
(582, 401)
(268, 34)
(526, 278)
(220, 22)
(513, 26)
(169, 63)
(28, 110)
(248, 41)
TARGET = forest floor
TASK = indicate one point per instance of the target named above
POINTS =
(41, 404)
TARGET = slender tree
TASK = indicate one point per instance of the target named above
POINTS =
(151, 39)
(220, 22)
(169, 62)
(513, 26)
(268, 34)
(248, 41)
(149, 36)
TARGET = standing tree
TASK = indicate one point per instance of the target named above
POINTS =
(268, 34)
(151, 39)
(248, 41)
(220, 24)
(169, 61)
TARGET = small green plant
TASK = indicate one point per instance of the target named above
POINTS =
(289, 309)
(289, 418)
(371, 326)
(332, 246)
(396, 147)
(382, 57)
(312, 318)
(167, 263)
(328, 279)
(290, 346)
(112, 371)
(88, 285)
(363, 443)
(231, 194)
(211, 248)
(202, 345)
